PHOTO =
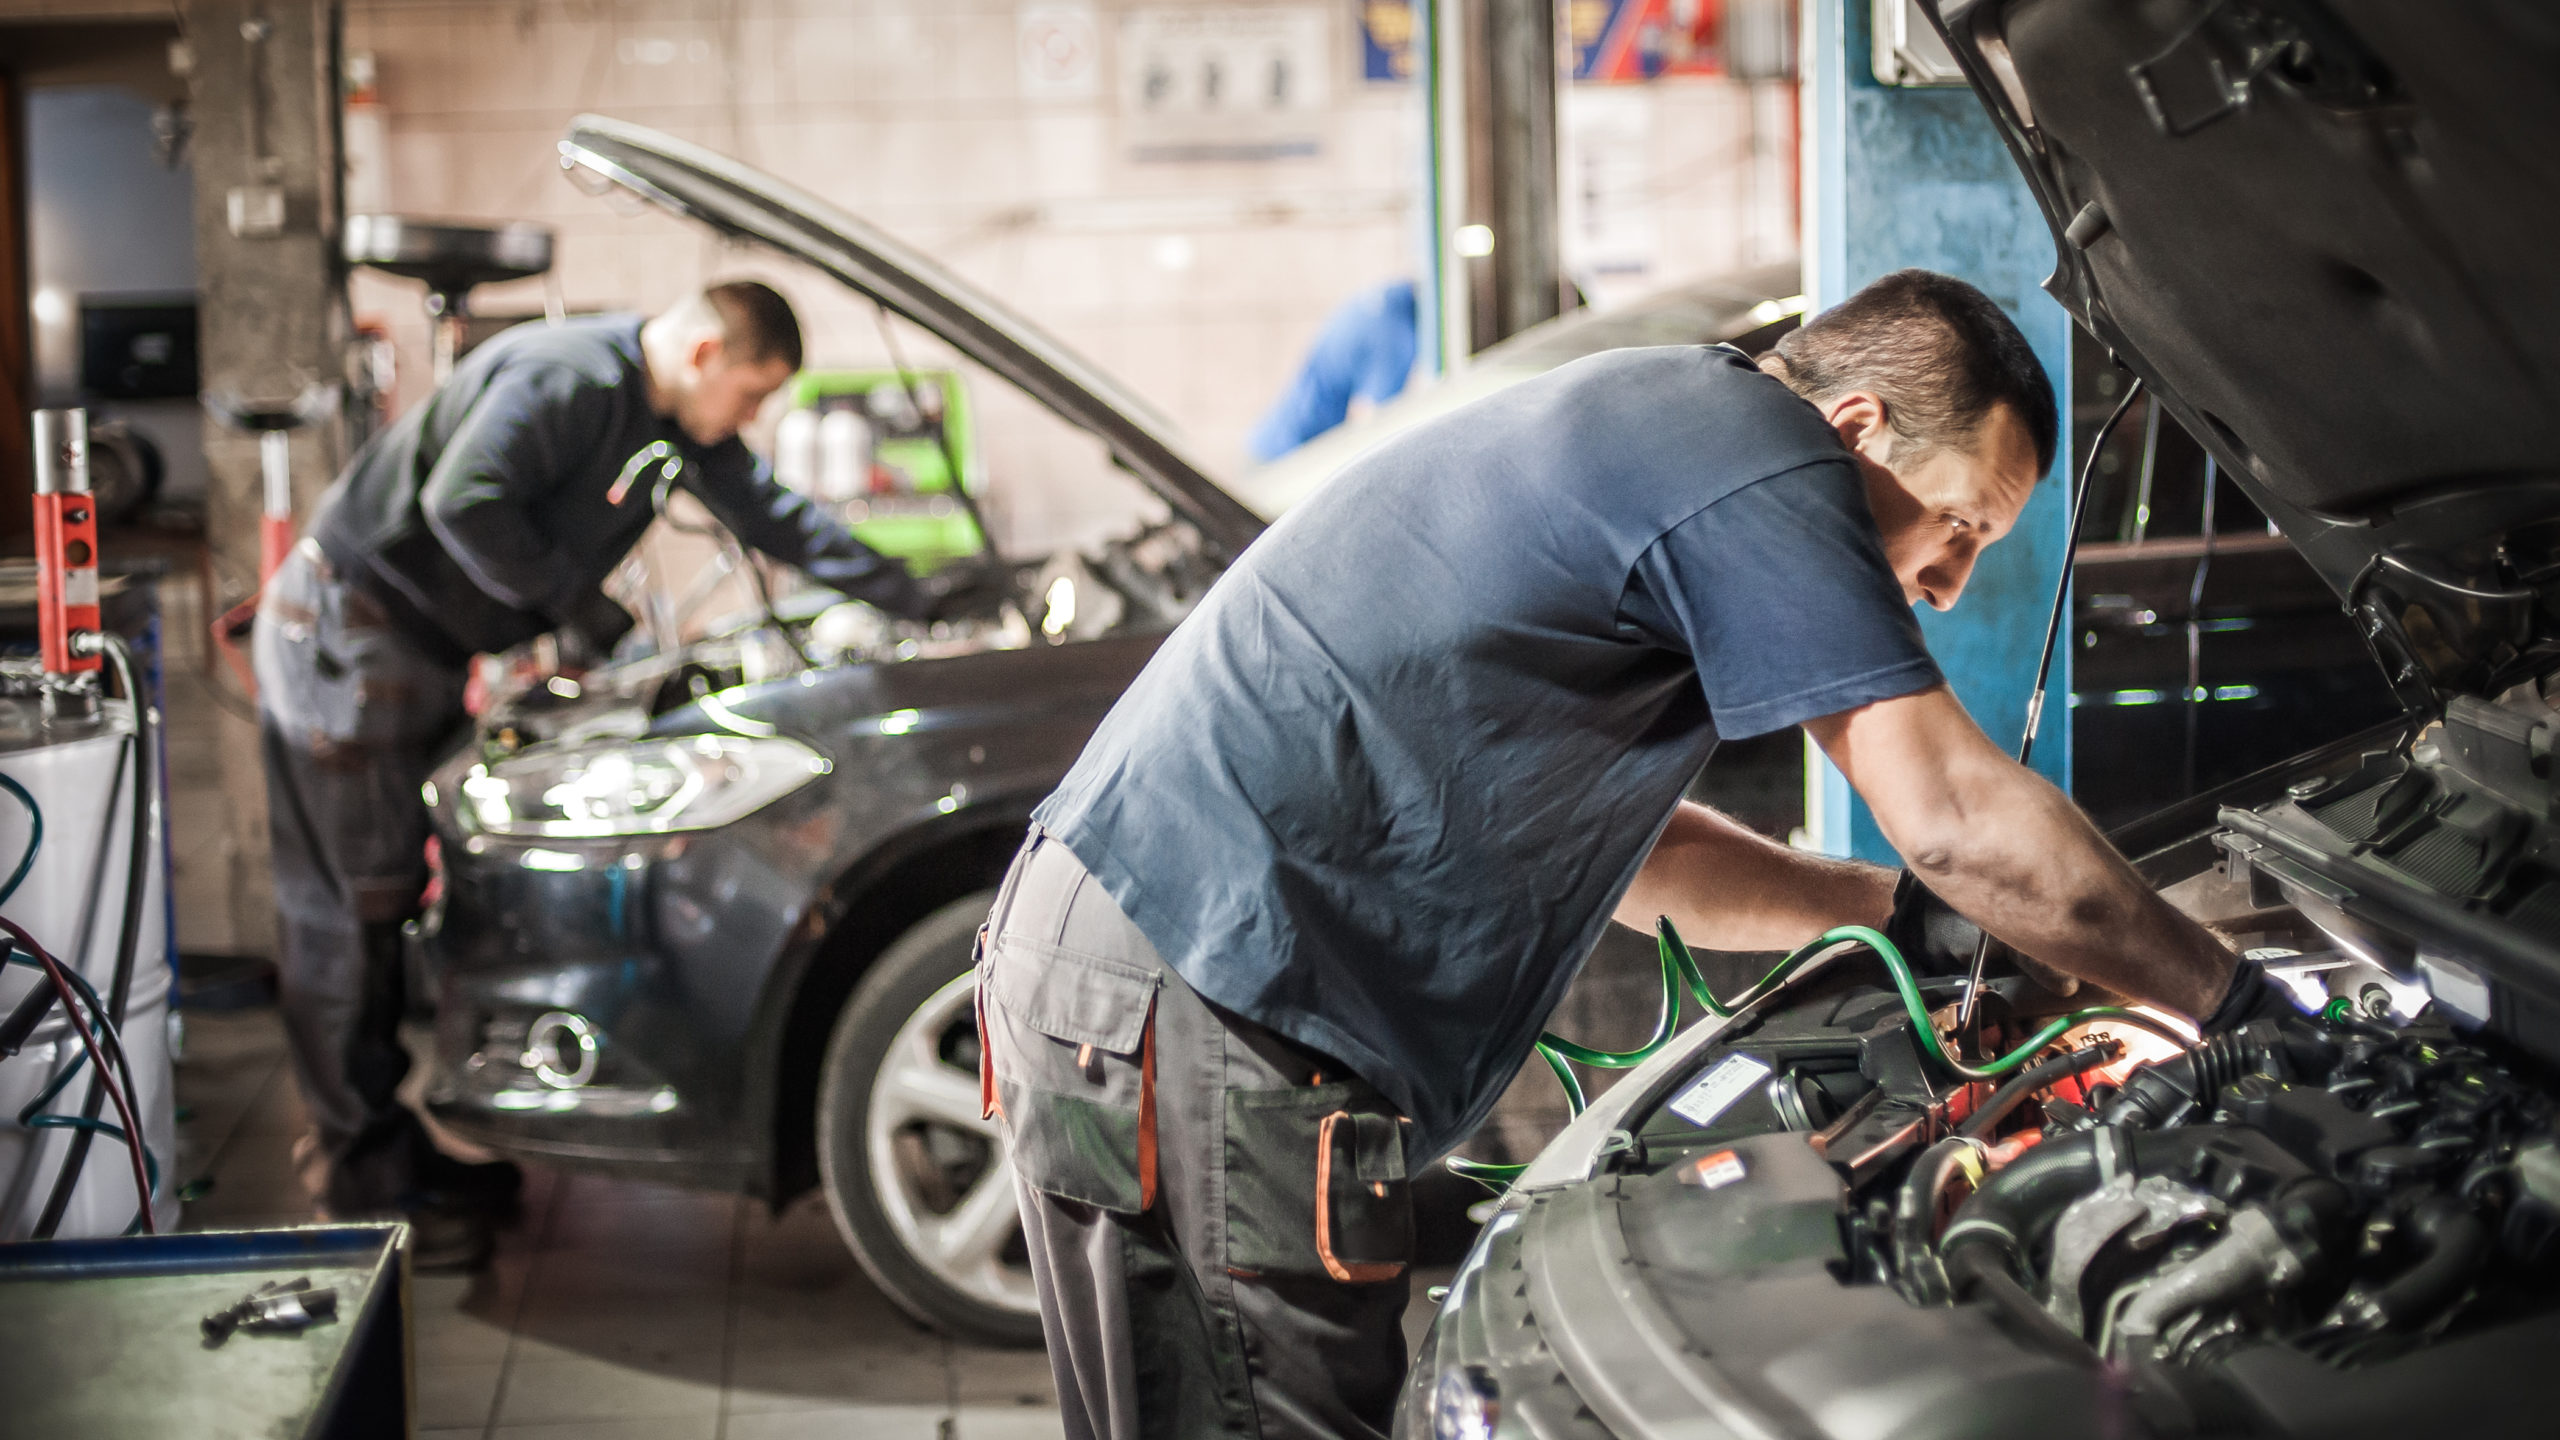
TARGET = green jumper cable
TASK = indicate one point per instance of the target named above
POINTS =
(1680, 969)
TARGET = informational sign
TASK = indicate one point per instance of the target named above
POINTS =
(1610, 233)
(1624, 40)
(1229, 84)
(1714, 1093)
(1058, 51)
(1386, 39)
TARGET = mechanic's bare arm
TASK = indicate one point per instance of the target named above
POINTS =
(2010, 853)
(1728, 888)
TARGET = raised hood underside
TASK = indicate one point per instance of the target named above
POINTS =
(748, 205)
(2323, 232)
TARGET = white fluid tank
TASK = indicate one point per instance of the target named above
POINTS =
(844, 456)
(82, 775)
(795, 451)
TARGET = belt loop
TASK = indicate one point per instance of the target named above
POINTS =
(1002, 910)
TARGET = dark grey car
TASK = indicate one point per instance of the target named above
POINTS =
(706, 916)
(703, 914)
(2319, 232)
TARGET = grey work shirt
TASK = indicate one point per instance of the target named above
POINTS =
(484, 517)
(1382, 790)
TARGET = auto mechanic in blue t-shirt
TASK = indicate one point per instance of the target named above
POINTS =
(1313, 887)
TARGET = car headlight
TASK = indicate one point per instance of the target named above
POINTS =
(634, 787)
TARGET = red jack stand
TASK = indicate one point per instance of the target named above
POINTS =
(274, 425)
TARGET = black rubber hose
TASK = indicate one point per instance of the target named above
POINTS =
(2016, 1207)
(2165, 1092)
(2452, 1245)
(2024, 1085)
(23, 1020)
(1915, 1220)
(137, 887)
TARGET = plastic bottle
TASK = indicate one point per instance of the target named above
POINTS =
(795, 451)
(844, 456)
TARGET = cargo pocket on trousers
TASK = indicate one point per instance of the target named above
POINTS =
(1316, 1184)
(1070, 1045)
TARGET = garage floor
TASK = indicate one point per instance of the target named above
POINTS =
(622, 1311)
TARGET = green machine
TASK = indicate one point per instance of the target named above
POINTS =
(881, 446)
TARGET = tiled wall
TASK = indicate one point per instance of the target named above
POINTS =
(1200, 284)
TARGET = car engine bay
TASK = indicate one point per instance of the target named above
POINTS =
(1141, 583)
(2340, 1222)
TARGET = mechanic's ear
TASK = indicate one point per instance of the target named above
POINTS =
(704, 352)
(1860, 419)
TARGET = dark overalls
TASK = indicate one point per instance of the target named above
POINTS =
(351, 718)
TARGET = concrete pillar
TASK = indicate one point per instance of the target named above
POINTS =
(272, 314)
(1902, 175)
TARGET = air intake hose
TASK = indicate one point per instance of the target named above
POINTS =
(2182, 1087)
(2452, 1245)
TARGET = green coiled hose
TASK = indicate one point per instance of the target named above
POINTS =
(1680, 970)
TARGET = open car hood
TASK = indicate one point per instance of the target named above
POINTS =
(2320, 231)
(747, 204)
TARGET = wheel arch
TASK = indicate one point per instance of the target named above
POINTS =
(877, 898)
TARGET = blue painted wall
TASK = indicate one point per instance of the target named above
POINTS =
(1896, 177)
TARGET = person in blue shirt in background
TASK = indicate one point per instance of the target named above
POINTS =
(1365, 352)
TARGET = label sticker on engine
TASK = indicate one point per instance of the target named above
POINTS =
(1715, 1091)
(1714, 1172)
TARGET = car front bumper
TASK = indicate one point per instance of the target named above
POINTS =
(595, 998)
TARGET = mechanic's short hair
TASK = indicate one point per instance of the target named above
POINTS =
(1937, 351)
(756, 323)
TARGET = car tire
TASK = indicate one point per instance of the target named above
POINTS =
(918, 1181)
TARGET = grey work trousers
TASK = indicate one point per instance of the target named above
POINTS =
(352, 716)
(1218, 1220)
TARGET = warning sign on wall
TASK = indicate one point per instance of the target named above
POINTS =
(1058, 49)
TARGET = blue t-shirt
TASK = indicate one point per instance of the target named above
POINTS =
(1383, 789)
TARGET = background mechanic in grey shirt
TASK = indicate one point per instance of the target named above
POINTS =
(1349, 836)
